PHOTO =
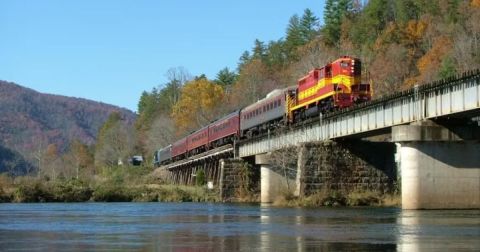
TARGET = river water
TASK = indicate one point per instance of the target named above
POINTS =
(231, 227)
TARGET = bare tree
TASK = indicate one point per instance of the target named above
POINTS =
(116, 144)
(177, 77)
(161, 133)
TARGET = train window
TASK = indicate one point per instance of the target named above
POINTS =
(264, 109)
(344, 64)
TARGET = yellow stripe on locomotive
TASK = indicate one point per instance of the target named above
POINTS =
(329, 86)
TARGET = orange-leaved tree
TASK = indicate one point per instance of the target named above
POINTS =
(200, 102)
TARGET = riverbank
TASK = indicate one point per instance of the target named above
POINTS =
(137, 186)
(126, 185)
(80, 191)
(338, 198)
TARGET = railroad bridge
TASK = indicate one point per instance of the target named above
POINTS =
(428, 137)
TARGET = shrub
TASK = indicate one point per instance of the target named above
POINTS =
(32, 190)
(363, 199)
(72, 190)
(114, 193)
(4, 197)
(200, 178)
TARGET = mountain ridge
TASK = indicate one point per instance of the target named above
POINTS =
(31, 120)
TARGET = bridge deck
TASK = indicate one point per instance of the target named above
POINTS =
(447, 97)
(227, 149)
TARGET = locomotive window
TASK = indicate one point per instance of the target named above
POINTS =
(344, 64)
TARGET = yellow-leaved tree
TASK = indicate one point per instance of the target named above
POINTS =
(200, 102)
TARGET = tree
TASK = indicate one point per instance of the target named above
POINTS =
(370, 22)
(82, 157)
(161, 133)
(258, 50)
(308, 26)
(225, 77)
(277, 55)
(158, 104)
(115, 141)
(199, 104)
(178, 77)
(51, 156)
(254, 82)
(430, 63)
(390, 69)
(335, 11)
(244, 59)
(294, 37)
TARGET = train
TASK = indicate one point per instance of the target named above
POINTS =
(334, 86)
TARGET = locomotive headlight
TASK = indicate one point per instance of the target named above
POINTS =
(353, 62)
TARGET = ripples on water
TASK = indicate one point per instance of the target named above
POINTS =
(229, 227)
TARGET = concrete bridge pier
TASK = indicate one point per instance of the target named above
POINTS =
(272, 181)
(439, 166)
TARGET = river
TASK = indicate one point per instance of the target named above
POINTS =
(231, 227)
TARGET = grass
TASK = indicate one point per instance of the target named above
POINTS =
(335, 198)
(121, 185)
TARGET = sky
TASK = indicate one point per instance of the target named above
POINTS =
(113, 50)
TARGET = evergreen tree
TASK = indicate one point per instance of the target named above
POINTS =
(225, 77)
(335, 11)
(276, 54)
(308, 26)
(244, 59)
(294, 34)
(258, 50)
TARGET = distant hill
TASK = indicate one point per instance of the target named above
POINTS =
(30, 120)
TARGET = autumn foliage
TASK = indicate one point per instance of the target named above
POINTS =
(200, 102)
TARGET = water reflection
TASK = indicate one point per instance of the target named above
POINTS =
(220, 227)
(438, 230)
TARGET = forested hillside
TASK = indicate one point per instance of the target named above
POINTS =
(35, 127)
(400, 42)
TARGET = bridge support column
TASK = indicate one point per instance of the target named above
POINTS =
(439, 168)
(272, 183)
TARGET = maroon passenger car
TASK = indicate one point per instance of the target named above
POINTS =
(198, 141)
(224, 130)
(179, 149)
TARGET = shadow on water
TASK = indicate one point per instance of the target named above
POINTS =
(221, 227)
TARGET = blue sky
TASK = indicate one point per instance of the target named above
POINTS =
(111, 51)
